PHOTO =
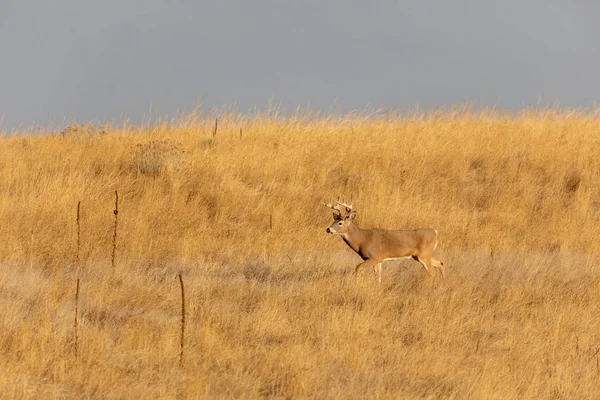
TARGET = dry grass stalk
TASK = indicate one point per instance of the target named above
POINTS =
(114, 243)
(78, 234)
(182, 320)
(76, 324)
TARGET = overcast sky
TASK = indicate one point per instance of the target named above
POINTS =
(103, 60)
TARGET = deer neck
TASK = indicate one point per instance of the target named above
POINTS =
(353, 237)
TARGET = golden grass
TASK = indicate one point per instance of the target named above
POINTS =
(272, 311)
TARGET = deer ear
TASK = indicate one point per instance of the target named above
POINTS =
(337, 216)
(352, 215)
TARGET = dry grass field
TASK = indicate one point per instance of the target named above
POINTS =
(272, 307)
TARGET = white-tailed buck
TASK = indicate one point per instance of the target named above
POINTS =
(375, 246)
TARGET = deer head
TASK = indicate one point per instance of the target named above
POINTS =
(342, 219)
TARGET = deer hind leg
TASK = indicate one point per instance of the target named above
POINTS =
(426, 262)
(439, 264)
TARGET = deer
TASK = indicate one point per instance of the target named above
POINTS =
(375, 246)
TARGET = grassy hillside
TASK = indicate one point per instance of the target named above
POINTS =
(272, 310)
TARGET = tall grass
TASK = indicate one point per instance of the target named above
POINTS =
(271, 308)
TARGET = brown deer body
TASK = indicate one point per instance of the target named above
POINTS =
(375, 246)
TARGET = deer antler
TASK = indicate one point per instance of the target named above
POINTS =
(348, 206)
(334, 208)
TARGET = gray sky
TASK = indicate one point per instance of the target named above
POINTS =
(102, 60)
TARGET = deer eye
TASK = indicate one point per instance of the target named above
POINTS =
(339, 223)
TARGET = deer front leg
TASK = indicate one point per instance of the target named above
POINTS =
(368, 263)
(377, 269)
